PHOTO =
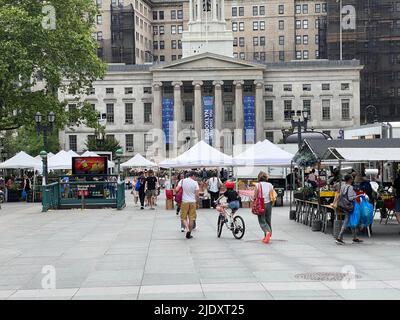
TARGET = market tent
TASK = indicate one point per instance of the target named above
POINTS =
(110, 164)
(138, 161)
(62, 160)
(21, 160)
(364, 154)
(201, 155)
(263, 153)
(49, 155)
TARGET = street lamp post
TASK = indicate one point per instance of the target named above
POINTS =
(299, 124)
(45, 129)
(367, 110)
(119, 154)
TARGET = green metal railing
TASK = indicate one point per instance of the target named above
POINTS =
(121, 196)
(50, 196)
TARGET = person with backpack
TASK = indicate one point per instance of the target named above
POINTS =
(265, 191)
(213, 186)
(140, 185)
(346, 204)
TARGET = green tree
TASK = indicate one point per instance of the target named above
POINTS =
(30, 48)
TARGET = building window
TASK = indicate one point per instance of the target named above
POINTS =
(262, 25)
(173, 57)
(241, 42)
(73, 143)
(305, 40)
(262, 10)
(269, 88)
(129, 113)
(234, 26)
(255, 41)
(281, 9)
(305, 24)
(162, 45)
(256, 56)
(345, 109)
(298, 9)
(326, 109)
(298, 39)
(228, 111)
(148, 113)
(180, 29)
(305, 8)
(287, 110)
(345, 86)
(307, 108)
(234, 11)
(298, 54)
(324, 7)
(307, 87)
(173, 29)
(155, 45)
(317, 8)
(326, 86)
(287, 87)
(161, 30)
(99, 19)
(180, 14)
(241, 26)
(155, 15)
(173, 14)
(235, 42)
(173, 44)
(91, 91)
(305, 54)
(281, 24)
(99, 36)
(281, 55)
(241, 11)
(179, 44)
(110, 113)
(128, 90)
(281, 40)
(316, 39)
(188, 112)
(228, 88)
(109, 90)
(269, 135)
(298, 24)
(269, 110)
(129, 142)
(148, 141)
(255, 25)
(262, 41)
(147, 90)
(255, 11)
(155, 30)
(242, 56)
(161, 15)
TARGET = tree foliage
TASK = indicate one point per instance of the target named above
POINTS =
(106, 144)
(27, 49)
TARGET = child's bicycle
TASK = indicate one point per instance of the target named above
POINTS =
(233, 222)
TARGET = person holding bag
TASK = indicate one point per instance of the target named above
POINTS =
(346, 204)
(264, 197)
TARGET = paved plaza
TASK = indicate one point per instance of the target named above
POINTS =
(134, 254)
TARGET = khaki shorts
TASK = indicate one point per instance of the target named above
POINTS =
(151, 193)
(188, 209)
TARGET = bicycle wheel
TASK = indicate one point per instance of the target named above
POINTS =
(238, 227)
(221, 221)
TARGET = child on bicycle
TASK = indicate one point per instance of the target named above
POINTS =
(232, 197)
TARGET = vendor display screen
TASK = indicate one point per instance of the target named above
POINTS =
(89, 165)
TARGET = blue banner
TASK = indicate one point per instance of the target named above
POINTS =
(167, 119)
(208, 103)
(249, 119)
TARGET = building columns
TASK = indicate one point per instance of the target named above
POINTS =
(214, 10)
(239, 108)
(199, 9)
(219, 109)
(259, 110)
(198, 108)
(157, 108)
(190, 11)
(223, 10)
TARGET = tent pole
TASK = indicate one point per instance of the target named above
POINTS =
(292, 178)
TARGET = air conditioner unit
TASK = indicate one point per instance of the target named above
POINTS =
(128, 121)
(129, 149)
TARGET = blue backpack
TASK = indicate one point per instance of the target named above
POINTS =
(137, 186)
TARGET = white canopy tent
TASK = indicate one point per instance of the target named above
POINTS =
(138, 161)
(263, 153)
(49, 155)
(364, 154)
(201, 155)
(62, 160)
(22, 160)
(110, 164)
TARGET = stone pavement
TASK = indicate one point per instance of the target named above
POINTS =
(134, 254)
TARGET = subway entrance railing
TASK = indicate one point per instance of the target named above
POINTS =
(100, 191)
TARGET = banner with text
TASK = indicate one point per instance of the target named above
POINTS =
(249, 119)
(208, 103)
(167, 119)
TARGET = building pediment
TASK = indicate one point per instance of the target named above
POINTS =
(208, 61)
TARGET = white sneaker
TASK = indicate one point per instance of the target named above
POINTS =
(182, 229)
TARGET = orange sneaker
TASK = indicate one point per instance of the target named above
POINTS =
(267, 237)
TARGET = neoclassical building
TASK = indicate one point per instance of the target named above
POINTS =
(160, 109)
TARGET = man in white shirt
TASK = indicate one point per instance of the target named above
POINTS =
(214, 184)
(190, 197)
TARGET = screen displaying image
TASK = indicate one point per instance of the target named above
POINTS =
(89, 165)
